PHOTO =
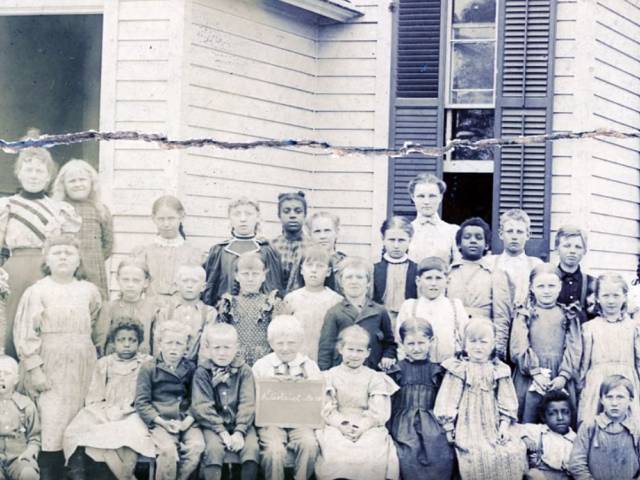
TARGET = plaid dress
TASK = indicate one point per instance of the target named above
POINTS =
(290, 252)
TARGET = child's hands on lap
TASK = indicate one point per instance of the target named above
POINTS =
(226, 439)
(186, 423)
(345, 428)
(30, 453)
(171, 426)
(387, 363)
(236, 442)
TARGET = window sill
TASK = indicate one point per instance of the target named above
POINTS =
(340, 11)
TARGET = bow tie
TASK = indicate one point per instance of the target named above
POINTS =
(427, 221)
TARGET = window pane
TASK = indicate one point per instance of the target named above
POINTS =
(474, 11)
(473, 66)
(472, 125)
(473, 32)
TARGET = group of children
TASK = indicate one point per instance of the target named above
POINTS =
(439, 360)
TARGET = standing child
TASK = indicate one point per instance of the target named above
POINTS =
(355, 443)
(608, 446)
(251, 310)
(223, 403)
(169, 248)
(244, 215)
(55, 323)
(287, 363)
(394, 276)
(610, 345)
(446, 316)
(310, 303)
(483, 289)
(421, 442)
(324, 228)
(477, 406)
(108, 427)
(78, 184)
(163, 399)
(357, 309)
(546, 345)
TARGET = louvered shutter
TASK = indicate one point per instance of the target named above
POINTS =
(416, 110)
(524, 107)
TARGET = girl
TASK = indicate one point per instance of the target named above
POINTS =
(169, 249)
(244, 215)
(422, 444)
(77, 183)
(546, 344)
(394, 277)
(610, 345)
(354, 443)
(477, 406)
(108, 426)
(251, 310)
(323, 229)
(25, 220)
(609, 446)
(53, 335)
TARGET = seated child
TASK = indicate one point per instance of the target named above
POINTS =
(163, 394)
(549, 443)
(608, 447)
(422, 445)
(483, 289)
(446, 316)
(251, 310)
(108, 427)
(355, 443)
(310, 303)
(354, 276)
(286, 336)
(223, 403)
(187, 308)
(19, 427)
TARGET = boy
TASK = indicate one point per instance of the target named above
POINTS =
(549, 444)
(515, 227)
(19, 427)
(577, 287)
(483, 290)
(223, 403)
(186, 308)
(357, 308)
(163, 399)
(286, 335)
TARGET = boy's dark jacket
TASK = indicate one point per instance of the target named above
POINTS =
(163, 392)
(224, 398)
(380, 280)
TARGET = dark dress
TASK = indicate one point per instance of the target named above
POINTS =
(420, 441)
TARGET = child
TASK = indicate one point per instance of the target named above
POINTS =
(287, 363)
(55, 322)
(610, 345)
(477, 406)
(354, 443)
(169, 248)
(244, 215)
(19, 427)
(108, 427)
(223, 403)
(25, 221)
(394, 275)
(546, 344)
(608, 447)
(483, 290)
(250, 311)
(577, 286)
(78, 184)
(4, 295)
(292, 210)
(549, 444)
(422, 445)
(515, 230)
(357, 309)
(163, 394)
(446, 316)
(310, 303)
(187, 308)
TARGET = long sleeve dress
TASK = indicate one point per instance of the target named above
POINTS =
(473, 399)
(357, 395)
(544, 338)
(109, 420)
(608, 348)
(53, 331)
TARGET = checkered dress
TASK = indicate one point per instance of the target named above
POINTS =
(290, 252)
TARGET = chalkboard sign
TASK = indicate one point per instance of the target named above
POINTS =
(289, 404)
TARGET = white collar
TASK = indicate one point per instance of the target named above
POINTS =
(388, 259)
